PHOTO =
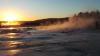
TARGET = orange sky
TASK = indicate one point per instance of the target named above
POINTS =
(15, 15)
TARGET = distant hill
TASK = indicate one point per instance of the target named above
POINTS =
(80, 20)
(47, 21)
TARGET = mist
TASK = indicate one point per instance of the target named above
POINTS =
(83, 20)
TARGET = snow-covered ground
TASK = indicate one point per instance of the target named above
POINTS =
(42, 43)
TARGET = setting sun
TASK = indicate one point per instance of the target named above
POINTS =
(10, 16)
(16, 15)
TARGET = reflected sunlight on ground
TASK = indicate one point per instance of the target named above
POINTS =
(13, 51)
(10, 23)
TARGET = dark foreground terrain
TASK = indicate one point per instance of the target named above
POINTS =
(62, 43)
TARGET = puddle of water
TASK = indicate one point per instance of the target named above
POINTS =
(22, 38)
(9, 38)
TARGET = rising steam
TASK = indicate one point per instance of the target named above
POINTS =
(82, 20)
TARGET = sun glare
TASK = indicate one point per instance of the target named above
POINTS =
(9, 16)
(11, 19)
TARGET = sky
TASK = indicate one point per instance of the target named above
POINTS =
(39, 9)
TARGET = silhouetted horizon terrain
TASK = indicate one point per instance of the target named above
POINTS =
(36, 22)
(78, 35)
(82, 19)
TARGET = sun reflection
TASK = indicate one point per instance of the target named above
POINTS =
(11, 37)
(13, 51)
(11, 28)
(10, 52)
(13, 44)
(11, 34)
